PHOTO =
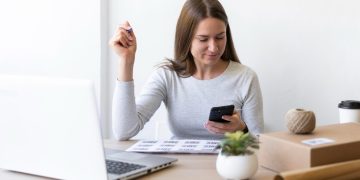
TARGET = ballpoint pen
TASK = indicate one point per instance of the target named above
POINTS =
(129, 30)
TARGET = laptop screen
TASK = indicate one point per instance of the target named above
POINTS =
(50, 127)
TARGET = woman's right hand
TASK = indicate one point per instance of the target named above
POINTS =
(123, 43)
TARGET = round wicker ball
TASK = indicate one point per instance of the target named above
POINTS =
(300, 121)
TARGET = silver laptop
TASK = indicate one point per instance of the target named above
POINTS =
(50, 127)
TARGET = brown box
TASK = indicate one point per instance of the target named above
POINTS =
(282, 151)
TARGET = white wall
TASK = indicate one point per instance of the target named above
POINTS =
(51, 38)
(305, 52)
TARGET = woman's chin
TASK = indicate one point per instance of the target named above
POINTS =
(212, 60)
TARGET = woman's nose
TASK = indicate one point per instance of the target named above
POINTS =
(213, 47)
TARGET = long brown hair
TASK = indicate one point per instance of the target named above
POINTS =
(191, 14)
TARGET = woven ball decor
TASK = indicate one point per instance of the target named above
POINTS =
(300, 121)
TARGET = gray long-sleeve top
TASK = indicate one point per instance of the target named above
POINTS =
(188, 102)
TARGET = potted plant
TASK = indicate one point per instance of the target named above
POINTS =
(237, 160)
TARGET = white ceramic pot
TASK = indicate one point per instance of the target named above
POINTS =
(236, 167)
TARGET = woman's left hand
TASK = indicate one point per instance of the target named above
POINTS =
(234, 124)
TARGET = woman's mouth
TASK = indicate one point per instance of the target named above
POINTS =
(212, 55)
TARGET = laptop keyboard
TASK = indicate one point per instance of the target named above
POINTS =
(117, 167)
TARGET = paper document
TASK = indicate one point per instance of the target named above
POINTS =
(176, 146)
(317, 141)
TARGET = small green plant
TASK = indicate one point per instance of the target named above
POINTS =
(238, 143)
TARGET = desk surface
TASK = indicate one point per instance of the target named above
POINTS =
(193, 166)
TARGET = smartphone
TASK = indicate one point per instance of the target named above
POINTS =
(217, 112)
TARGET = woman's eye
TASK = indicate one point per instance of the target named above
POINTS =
(222, 37)
(202, 40)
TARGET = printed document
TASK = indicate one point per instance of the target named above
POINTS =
(176, 146)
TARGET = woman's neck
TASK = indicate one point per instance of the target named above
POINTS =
(210, 72)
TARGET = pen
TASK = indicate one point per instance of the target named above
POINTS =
(129, 30)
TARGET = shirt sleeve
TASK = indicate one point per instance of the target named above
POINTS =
(129, 115)
(252, 110)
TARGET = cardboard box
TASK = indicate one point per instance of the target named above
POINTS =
(283, 151)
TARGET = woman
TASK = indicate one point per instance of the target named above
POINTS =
(204, 73)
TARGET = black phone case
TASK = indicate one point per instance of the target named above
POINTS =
(217, 112)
